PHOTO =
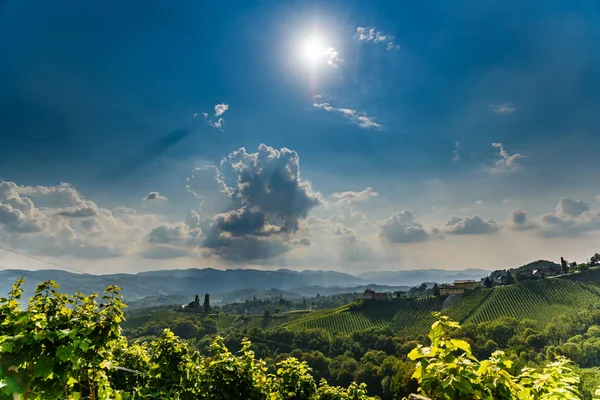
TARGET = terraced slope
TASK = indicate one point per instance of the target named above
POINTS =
(537, 300)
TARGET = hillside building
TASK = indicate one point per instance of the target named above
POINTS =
(373, 295)
(458, 287)
(467, 284)
(500, 277)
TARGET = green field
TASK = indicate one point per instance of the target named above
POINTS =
(536, 300)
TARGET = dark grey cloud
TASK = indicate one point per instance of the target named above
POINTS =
(269, 181)
(243, 221)
(471, 226)
(401, 227)
(260, 209)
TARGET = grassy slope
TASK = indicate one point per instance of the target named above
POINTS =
(536, 300)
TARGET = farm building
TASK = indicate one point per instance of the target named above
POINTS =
(458, 287)
(372, 295)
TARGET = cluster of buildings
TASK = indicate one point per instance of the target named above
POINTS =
(458, 287)
(539, 271)
(373, 295)
(535, 270)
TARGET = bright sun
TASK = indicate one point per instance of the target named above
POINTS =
(313, 50)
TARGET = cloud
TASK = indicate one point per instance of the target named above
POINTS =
(298, 242)
(14, 220)
(570, 219)
(506, 163)
(216, 121)
(78, 212)
(173, 233)
(154, 196)
(563, 225)
(243, 221)
(332, 57)
(471, 226)
(455, 154)
(220, 109)
(350, 196)
(572, 208)
(359, 118)
(172, 240)
(503, 109)
(268, 201)
(369, 34)
(518, 220)
(57, 221)
(208, 185)
(401, 227)
(509, 200)
(269, 181)
(479, 202)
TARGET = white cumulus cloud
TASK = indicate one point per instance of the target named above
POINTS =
(401, 227)
(471, 226)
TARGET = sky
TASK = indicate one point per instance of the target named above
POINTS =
(341, 135)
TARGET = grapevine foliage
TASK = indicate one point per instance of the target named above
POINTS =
(71, 347)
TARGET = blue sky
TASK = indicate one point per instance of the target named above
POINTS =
(445, 110)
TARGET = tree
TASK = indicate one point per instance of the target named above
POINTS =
(197, 302)
(595, 259)
(436, 290)
(487, 282)
(509, 279)
(206, 305)
(267, 314)
(564, 265)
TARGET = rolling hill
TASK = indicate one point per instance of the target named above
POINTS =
(537, 300)
(175, 286)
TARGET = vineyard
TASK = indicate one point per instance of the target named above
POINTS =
(536, 300)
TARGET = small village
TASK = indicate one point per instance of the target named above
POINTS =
(536, 270)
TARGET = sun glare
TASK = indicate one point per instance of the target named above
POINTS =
(313, 50)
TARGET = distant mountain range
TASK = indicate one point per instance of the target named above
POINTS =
(418, 276)
(179, 284)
